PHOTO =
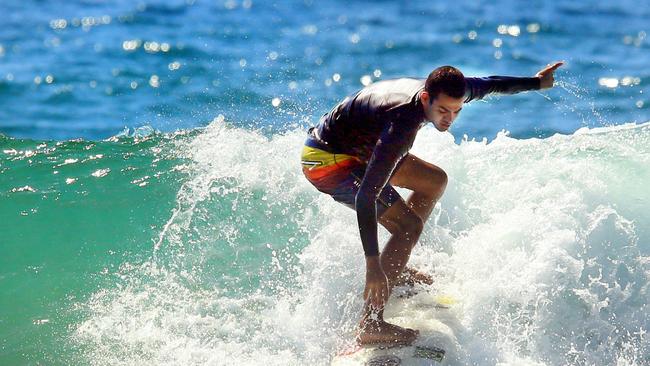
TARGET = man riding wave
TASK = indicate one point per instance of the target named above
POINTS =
(360, 150)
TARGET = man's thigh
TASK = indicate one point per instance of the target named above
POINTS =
(418, 175)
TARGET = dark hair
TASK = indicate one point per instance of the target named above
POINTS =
(445, 79)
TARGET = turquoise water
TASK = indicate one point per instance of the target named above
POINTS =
(165, 220)
(196, 249)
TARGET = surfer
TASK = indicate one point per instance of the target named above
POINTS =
(359, 151)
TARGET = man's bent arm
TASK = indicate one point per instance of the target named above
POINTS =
(478, 88)
(391, 147)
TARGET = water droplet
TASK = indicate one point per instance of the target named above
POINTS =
(174, 65)
(131, 45)
(608, 82)
(533, 27)
(154, 81)
(58, 24)
(151, 47)
(99, 173)
(514, 30)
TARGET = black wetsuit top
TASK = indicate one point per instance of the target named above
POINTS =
(378, 124)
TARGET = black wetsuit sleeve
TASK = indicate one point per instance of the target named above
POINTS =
(392, 146)
(477, 88)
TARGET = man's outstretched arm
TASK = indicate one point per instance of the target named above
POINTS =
(478, 88)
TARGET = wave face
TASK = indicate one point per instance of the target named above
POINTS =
(228, 256)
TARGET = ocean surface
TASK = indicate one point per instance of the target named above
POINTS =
(153, 211)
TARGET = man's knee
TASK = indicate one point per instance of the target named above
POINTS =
(437, 181)
(420, 176)
(439, 177)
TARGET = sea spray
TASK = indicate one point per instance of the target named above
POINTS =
(543, 241)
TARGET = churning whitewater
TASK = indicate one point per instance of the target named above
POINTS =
(545, 243)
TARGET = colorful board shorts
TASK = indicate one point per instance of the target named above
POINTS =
(340, 176)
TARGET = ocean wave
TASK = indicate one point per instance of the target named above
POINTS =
(544, 241)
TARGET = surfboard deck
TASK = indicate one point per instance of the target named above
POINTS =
(431, 314)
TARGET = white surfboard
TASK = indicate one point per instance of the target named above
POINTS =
(433, 315)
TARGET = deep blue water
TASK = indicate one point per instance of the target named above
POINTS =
(91, 68)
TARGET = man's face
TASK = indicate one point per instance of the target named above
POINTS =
(443, 111)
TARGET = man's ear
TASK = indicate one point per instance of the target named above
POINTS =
(425, 98)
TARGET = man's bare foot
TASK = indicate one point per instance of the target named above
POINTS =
(411, 277)
(382, 333)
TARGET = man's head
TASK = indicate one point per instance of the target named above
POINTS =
(443, 95)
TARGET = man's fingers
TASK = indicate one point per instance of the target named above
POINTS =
(552, 68)
(376, 302)
(371, 297)
(377, 298)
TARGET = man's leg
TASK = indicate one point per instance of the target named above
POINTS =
(405, 226)
(426, 180)
(428, 183)
(405, 221)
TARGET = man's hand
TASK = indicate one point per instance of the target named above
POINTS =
(377, 289)
(545, 75)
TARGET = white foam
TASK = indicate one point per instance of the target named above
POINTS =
(544, 242)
